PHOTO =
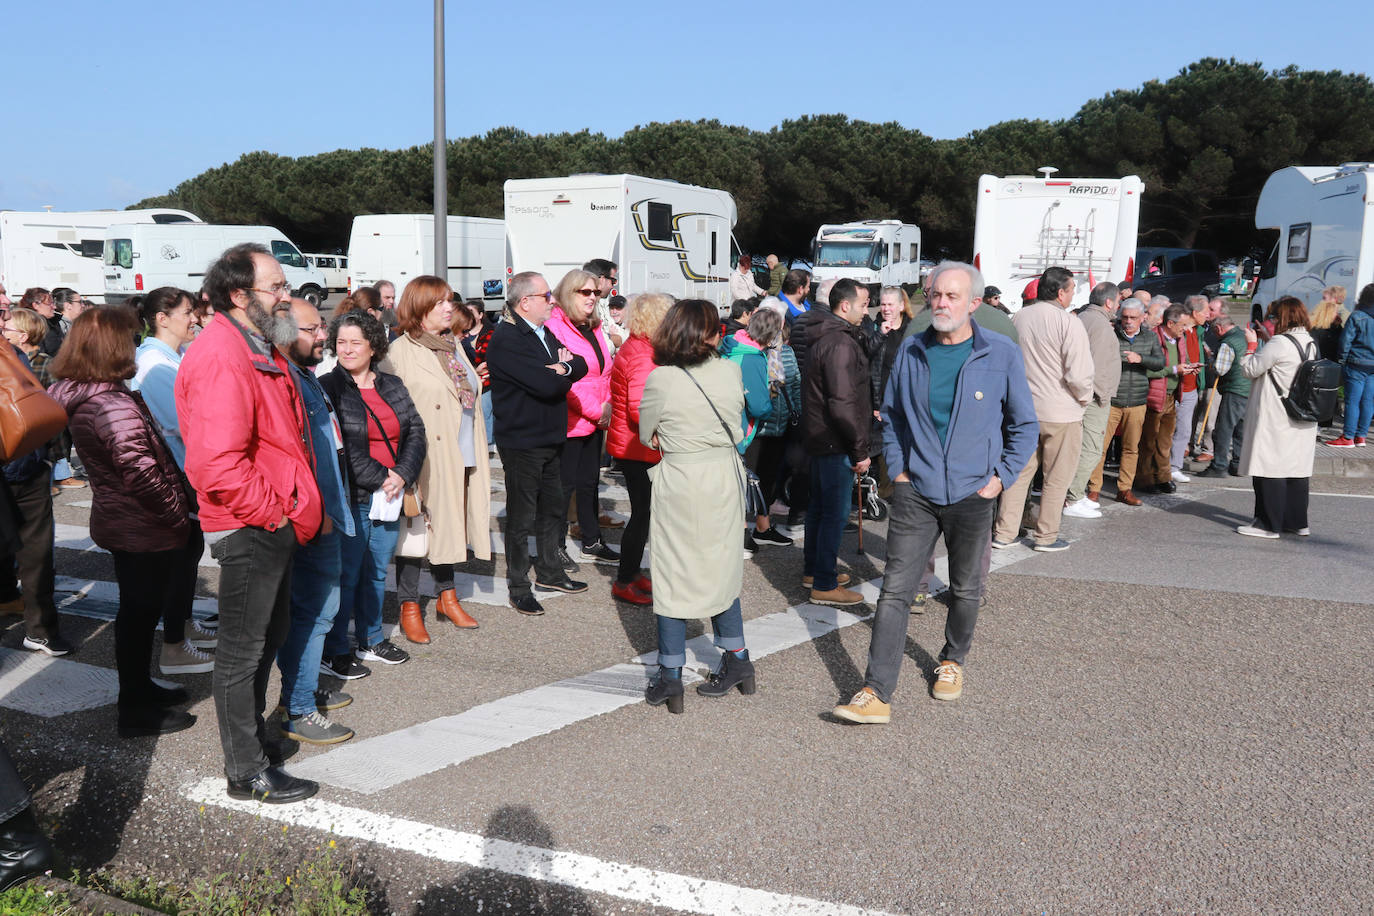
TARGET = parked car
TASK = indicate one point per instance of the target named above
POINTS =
(1177, 272)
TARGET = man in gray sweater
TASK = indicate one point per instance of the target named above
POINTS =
(1097, 318)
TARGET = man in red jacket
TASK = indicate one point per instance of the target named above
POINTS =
(249, 457)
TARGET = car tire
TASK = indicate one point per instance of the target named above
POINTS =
(312, 294)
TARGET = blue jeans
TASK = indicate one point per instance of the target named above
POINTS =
(728, 627)
(1359, 401)
(487, 416)
(314, 605)
(363, 582)
(832, 482)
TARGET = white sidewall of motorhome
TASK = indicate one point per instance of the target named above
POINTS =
(1340, 246)
(179, 255)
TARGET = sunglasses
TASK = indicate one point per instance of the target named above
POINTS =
(588, 292)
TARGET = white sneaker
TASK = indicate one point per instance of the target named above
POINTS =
(1254, 531)
(1083, 508)
(1180, 477)
(1092, 502)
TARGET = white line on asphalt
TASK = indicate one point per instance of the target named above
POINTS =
(1341, 495)
(34, 683)
(549, 866)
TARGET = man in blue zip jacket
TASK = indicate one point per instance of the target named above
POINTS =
(959, 423)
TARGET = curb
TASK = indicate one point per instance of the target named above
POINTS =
(86, 900)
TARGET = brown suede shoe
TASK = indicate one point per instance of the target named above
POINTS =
(1127, 497)
(449, 607)
(413, 623)
(1093, 494)
(836, 597)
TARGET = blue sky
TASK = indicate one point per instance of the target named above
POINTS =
(106, 103)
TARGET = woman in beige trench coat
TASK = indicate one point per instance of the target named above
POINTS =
(697, 500)
(1278, 450)
(455, 482)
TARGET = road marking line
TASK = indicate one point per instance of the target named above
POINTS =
(41, 685)
(549, 866)
(1341, 495)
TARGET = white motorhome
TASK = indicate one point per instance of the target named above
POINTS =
(1024, 225)
(1324, 216)
(400, 246)
(143, 257)
(53, 248)
(333, 266)
(875, 252)
(665, 236)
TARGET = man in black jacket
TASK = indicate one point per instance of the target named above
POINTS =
(837, 413)
(531, 374)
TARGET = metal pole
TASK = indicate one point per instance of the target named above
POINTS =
(440, 150)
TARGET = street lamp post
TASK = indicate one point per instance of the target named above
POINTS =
(440, 150)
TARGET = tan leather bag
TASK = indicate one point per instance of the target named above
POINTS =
(28, 416)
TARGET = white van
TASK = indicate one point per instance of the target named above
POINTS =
(54, 248)
(335, 270)
(143, 257)
(1324, 217)
(875, 252)
(1024, 225)
(665, 236)
(400, 246)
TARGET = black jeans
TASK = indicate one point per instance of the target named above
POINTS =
(534, 506)
(147, 590)
(915, 525)
(408, 577)
(34, 559)
(185, 573)
(14, 795)
(581, 471)
(1229, 434)
(637, 528)
(254, 616)
(1280, 503)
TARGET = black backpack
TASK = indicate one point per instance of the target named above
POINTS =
(1312, 396)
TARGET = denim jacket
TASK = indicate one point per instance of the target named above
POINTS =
(331, 474)
(1357, 340)
(992, 426)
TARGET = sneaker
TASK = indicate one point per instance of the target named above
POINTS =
(1082, 509)
(1092, 501)
(1212, 471)
(567, 562)
(918, 603)
(841, 578)
(72, 483)
(1341, 442)
(1180, 477)
(1254, 531)
(750, 548)
(344, 667)
(772, 536)
(384, 652)
(201, 636)
(314, 728)
(326, 700)
(949, 681)
(1051, 547)
(1360, 442)
(1300, 532)
(865, 708)
(53, 645)
(184, 658)
(211, 623)
(1002, 545)
(836, 597)
(600, 553)
(626, 591)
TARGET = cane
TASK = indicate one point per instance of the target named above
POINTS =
(1202, 427)
(859, 489)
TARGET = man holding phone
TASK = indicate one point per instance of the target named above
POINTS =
(1161, 416)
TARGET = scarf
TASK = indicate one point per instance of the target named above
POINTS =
(772, 354)
(446, 351)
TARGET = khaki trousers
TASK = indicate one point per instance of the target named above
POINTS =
(1128, 421)
(1156, 439)
(1090, 454)
(1058, 449)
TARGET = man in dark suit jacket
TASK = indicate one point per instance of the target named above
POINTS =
(531, 374)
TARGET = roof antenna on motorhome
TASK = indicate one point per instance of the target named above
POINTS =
(1047, 170)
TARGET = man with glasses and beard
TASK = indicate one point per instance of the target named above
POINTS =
(250, 458)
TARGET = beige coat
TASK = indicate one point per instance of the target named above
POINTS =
(458, 499)
(1275, 444)
(1059, 361)
(696, 529)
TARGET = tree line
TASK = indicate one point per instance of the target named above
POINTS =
(1204, 142)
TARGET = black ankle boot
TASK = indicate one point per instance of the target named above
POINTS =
(665, 690)
(24, 851)
(168, 696)
(734, 672)
(142, 721)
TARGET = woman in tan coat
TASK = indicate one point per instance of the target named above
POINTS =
(1278, 450)
(697, 501)
(455, 482)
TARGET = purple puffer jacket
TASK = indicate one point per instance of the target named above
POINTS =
(139, 500)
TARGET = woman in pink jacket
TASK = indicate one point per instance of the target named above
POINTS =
(578, 327)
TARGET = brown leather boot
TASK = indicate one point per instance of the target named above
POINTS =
(449, 607)
(413, 623)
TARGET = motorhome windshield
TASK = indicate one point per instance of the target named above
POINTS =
(287, 254)
(846, 254)
(119, 253)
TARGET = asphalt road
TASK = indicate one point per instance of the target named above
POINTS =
(1167, 717)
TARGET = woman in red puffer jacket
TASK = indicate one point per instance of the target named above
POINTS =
(633, 363)
(140, 507)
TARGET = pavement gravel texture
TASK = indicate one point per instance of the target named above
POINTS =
(1167, 717)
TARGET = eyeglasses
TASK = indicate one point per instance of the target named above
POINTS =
(276, 289)
(311, 329)
(588, 292)
(546, 295)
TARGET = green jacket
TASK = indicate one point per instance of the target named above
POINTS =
(1135, 381)
(775, 279)
(1166, 371)
(1234, 381)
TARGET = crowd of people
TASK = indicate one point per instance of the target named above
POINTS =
(310, 456)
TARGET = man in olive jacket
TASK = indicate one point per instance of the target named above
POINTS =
(837, 413)
(1140, 355)
(1234, 389)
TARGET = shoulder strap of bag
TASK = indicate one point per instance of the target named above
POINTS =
(1302, 358)
(709, 403)
(385, 438)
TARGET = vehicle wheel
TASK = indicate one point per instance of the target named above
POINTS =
(312, 294)
(875, 509)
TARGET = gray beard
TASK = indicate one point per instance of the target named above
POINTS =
(280, 329)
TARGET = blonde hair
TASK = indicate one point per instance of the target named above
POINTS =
(906, 300)
(1334, 294)
(1326, 313)
(563, 296)
(31, 323)
(644, 313)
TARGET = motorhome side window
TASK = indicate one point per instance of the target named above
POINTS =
(119, 253)
(1299, 237)
(912, 256)
(287, 254)
(660, 222)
